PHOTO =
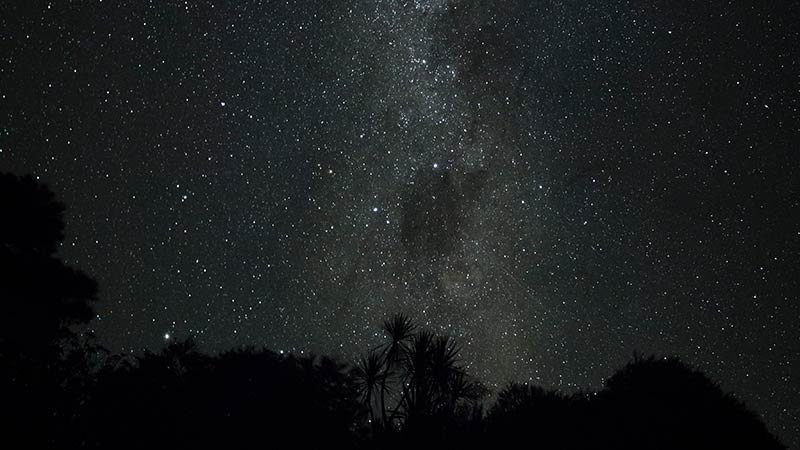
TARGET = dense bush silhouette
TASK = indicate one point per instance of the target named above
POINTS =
(181, 398)
(59, 390)
(524, 412)
(651, 403)
(662, 403)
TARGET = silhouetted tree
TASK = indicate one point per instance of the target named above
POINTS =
(41, 299)
(662, 403)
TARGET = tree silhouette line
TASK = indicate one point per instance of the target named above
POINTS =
(60, 389)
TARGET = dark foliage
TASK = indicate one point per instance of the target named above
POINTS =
(652, 403)
(664, 403)
(552, 419)
(181, 398)
(40, 298)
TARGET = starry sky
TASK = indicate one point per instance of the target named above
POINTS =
(557, 184)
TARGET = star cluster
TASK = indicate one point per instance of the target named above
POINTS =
(555, 184)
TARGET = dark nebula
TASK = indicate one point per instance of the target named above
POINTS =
(433, 215)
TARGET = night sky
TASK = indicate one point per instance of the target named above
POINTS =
(555, 184)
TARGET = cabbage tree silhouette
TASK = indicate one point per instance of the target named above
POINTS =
(399, 329)
(425, 392)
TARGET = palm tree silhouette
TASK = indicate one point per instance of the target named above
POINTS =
(419, 377)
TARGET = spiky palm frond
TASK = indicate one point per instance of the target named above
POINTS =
(367, 373)
(399, 329)
(368, 379)
(444, 357)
